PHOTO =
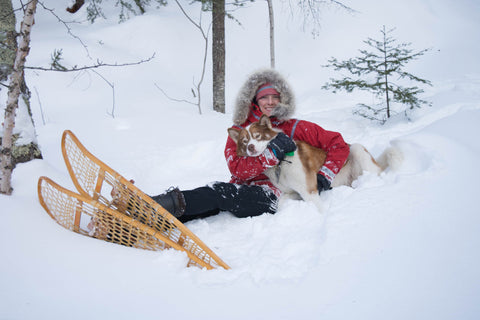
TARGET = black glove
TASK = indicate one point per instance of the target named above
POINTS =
(282, 144)
(322, 183)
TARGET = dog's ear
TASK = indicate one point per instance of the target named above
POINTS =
(234, 134)
(265, 121)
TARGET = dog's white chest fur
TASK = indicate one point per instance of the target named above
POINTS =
(289, 175)
(291, 178)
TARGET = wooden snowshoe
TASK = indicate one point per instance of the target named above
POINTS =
(111, 208)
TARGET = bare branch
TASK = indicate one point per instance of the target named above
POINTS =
(198, 85)
(66, 24)
(312, 10)
(191, 20)
(112, 85)
(99, 64)
(173, 99)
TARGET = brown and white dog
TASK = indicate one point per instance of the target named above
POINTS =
(297, 176)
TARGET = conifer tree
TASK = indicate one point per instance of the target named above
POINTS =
(380, 72)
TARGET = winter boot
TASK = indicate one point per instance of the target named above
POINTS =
(173, 201)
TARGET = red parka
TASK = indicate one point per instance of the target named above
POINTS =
(250, 170)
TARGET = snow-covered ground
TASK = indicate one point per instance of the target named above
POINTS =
(403, 245)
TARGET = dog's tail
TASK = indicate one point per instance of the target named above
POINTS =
(391, 158)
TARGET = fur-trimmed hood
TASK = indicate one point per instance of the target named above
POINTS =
(284, 110)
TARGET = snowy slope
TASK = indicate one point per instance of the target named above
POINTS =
(403, 245)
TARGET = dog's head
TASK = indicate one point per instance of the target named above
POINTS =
(253, 140)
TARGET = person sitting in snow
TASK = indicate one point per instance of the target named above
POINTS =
(250, 192)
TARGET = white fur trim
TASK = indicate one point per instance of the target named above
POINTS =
(285, 108)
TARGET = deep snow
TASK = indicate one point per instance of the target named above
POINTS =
(404, 245)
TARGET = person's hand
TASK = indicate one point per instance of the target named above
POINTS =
(281, 145)
(322, 183)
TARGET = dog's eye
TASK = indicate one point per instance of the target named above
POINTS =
(245, 141)
(256, 136)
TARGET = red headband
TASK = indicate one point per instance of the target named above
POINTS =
(265, 90)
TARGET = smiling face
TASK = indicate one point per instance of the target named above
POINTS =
(268, 103)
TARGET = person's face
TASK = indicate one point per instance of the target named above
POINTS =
(268, 103)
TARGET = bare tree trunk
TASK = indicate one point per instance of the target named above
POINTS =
(272, 34)
(25, 147)
(13, 95)
(386, 71)
(218, 54)
(7, 38)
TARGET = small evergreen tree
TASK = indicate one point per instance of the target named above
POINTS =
(386, 65)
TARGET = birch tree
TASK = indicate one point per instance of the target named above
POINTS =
(25, 146)
(16, 79)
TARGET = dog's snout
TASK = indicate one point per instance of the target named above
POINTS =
(251, 148)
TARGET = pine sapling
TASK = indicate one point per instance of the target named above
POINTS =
(378, 72)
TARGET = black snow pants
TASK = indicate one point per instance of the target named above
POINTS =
(240, 200)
